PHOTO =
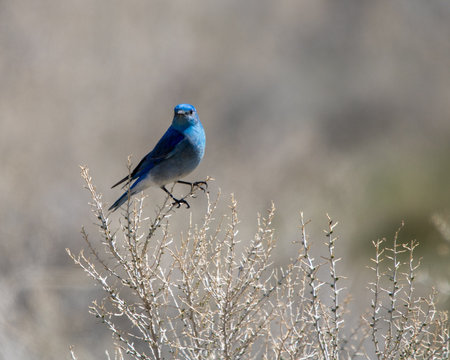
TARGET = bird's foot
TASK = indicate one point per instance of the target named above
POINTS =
(178, 203)
(202, 185)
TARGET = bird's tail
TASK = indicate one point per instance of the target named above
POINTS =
(120, 201)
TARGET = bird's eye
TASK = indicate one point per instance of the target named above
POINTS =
(190, 112)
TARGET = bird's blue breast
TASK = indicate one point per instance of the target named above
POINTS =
(196, 135)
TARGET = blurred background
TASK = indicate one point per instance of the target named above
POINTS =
(339, 107)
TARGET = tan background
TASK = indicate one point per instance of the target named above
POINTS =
(321, 106)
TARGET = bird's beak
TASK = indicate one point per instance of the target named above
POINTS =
(180, 112)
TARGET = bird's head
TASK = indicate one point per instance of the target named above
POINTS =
(185, 115)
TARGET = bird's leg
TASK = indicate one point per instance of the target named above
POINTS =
(177, 202)
(202, 185)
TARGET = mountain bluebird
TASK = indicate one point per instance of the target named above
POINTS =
(175, 155)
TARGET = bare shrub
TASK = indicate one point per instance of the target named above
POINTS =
(199, 297)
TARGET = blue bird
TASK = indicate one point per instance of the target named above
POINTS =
(175, 155)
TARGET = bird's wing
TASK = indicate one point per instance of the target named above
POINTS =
(164, 149)
(167, 145)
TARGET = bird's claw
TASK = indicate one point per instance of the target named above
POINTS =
(202, 185)
(178, 203)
